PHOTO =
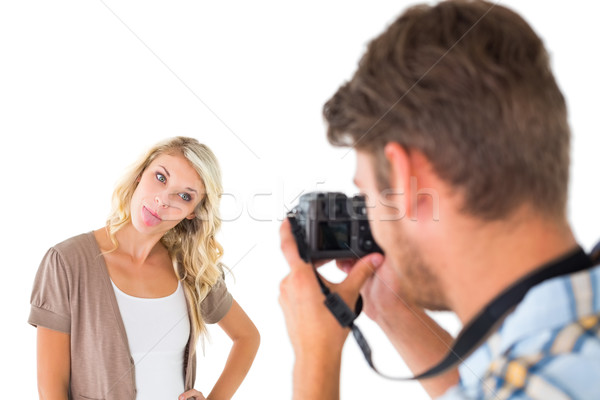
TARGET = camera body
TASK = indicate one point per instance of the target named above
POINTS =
(330, 225)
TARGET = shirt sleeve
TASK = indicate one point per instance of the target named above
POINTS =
(217, 303)
(50, 306)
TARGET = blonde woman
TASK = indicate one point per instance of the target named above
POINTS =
(119, 310)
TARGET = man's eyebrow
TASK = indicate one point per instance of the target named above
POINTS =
(167, 172)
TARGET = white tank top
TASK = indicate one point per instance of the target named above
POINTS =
(157, 331)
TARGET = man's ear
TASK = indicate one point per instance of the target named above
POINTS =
(398, 176)
(400, 166)
(412, 174)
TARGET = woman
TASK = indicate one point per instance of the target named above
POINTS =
(119, 310)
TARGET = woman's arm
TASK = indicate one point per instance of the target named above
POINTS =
(53, 364)
(246, 339)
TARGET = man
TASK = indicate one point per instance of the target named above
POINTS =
(462, 147)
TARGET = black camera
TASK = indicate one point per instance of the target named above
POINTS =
(329, 225)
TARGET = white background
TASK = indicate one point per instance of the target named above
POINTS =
(86, 86)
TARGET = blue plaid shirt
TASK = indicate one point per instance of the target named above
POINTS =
(548, 348)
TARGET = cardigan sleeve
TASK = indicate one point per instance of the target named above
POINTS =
(50, 305)
(217, 303)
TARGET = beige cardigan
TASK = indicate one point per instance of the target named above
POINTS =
(72, 293)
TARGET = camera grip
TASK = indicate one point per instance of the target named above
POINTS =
(298, 233)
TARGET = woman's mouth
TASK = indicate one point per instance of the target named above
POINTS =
(149, 217)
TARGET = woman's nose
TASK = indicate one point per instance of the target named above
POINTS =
(161, 201)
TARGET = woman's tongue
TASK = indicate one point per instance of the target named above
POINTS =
(149, 218)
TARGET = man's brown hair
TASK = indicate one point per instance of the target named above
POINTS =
(469, 84)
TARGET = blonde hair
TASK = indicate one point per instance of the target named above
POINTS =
(191, 243)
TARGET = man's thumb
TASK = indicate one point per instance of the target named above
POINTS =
(363, 270)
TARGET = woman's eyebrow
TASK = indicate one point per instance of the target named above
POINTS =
(169, 175)
(167, 172)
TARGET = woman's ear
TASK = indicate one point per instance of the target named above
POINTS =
(191, 216)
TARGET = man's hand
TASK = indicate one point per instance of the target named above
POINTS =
(310, 324)
(316, 335)
(418, 339)
(381, 292)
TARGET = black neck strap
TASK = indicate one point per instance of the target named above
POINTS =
(482, 326)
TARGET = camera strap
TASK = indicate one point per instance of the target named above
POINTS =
(482, 326)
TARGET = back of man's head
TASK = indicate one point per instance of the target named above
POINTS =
(469, 84)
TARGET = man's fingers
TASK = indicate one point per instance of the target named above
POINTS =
(362, 270)
(320, 263)
(345, 264)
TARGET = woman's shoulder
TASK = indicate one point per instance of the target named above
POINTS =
(75, 242)
(77, 247)
(71, 259)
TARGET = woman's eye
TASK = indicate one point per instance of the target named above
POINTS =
(161, 178)
(185, 196)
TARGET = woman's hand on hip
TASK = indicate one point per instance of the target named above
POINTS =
(191, 394)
